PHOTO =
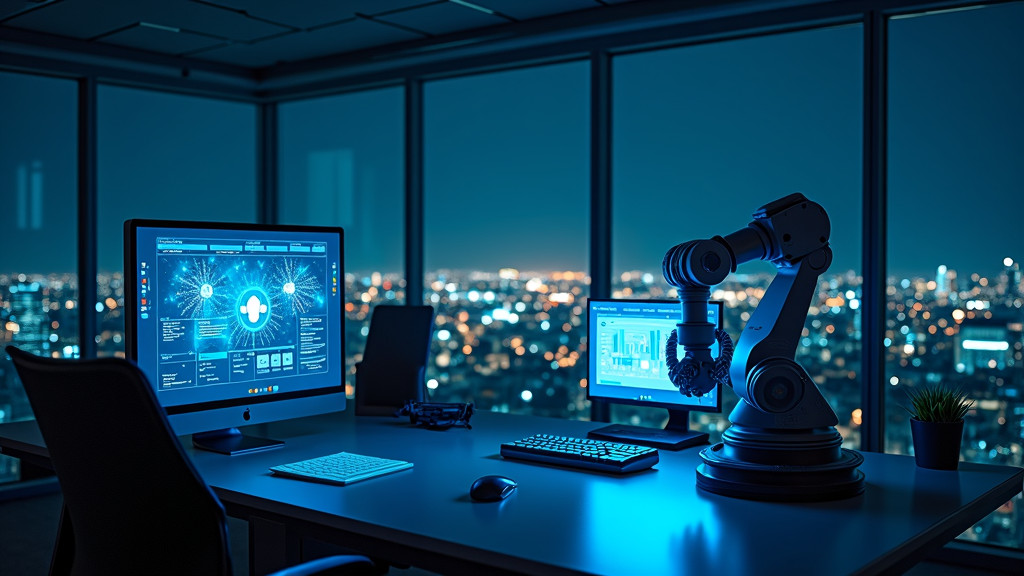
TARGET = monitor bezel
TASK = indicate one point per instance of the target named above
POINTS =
(193, 417)
(680, 406)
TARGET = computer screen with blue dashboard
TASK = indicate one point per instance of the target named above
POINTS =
(236, 324)
(626, 363)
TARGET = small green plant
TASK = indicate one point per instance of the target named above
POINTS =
(940, 403)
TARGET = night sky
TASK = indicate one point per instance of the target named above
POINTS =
(702, 136)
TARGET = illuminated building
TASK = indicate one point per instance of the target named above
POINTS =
(984, 345)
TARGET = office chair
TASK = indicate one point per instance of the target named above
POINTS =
(394, 360)
(133, 502)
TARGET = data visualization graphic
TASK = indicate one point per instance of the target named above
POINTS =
(201, 291)
(632, 351)
(302, 285)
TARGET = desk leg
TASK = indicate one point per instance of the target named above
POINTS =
(271, 547)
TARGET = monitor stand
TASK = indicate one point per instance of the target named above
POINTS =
(676, 435)
(231, 441)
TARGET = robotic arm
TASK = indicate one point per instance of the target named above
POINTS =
(782, 444)
(792, 233)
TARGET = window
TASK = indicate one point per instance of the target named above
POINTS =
(39, 279)
(170, 157)
(506, 206)
(955, 302)
(702, 137)
(342, 164)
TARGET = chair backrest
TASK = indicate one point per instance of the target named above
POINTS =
(394, 359)
(135, 502)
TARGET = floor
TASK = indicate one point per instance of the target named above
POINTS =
(28, 528)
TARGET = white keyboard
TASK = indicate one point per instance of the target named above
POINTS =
(341, 468)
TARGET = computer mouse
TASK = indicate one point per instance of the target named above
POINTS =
(492, 488)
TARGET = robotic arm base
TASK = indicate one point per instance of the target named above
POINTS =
(793, 455)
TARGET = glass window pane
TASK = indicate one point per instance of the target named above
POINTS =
(38, 228)
(955, 293)
(705, 135)
(506, 223)
(170, 157)
(342, 163)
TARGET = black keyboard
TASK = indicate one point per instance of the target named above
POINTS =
(585, 453)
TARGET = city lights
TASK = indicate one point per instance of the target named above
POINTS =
(985, 345)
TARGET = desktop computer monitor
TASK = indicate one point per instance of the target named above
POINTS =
(626, 356)
(236, 324)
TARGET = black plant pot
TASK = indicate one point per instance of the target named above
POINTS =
(937, 444)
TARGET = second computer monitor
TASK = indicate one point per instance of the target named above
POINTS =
(626, 342)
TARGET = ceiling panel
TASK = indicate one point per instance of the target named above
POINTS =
(9, 8)
(260, 33)
(344, 37)
(314, 13)
(77, 19)
(441, 18)
(161, 40)
(527, 9)
(89, 19)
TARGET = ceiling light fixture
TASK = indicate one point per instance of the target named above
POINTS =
(473, 6)
(159, 27)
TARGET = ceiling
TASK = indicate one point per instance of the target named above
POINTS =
(257, 34)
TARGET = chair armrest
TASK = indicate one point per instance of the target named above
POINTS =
(348, 565)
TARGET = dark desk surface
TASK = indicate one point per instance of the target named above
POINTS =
(564, 521)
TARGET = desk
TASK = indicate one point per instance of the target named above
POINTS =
(564, 521)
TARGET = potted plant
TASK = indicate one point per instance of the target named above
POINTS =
(937, 425)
